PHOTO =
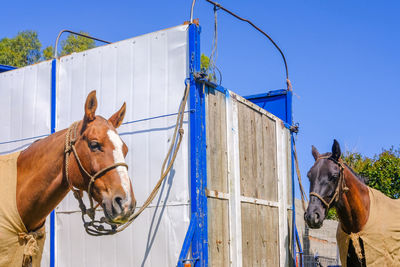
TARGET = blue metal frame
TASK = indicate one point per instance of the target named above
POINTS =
(278, 102)
(197, 235)
(4, 68)
(53, 130)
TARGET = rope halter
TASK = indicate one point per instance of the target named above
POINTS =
(93, 226)
(341, 185)
(96, 227)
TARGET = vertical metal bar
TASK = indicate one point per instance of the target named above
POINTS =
(52, 130)
(298, 242)
(198, 153)
(188, 240)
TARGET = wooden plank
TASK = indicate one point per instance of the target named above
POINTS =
(257, 141)
(281, 148)
(259, 201)
(216, 142)
(249, 220)
(260, 235)
(233, 156)
(217, 194)
(218, 232)
(248, 165)
(270, 169)
(259, 157)
(268, 229)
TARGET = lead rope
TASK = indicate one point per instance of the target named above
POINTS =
(165, 171)
(96, 227)
(302, 193)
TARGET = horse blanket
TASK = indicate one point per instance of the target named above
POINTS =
(380, 235)
(17, 246)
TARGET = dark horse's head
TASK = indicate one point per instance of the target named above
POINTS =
(324, 178)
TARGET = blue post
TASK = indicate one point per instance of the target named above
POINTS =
(198, 153)
(52, 130)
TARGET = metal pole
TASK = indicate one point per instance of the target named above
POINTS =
(76, 33)
(261, 31)
(191, 11)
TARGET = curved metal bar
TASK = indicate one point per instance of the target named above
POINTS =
(76, 33)
(261, 31)
(191, 11)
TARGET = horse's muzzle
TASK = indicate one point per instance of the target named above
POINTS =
(118, 210)
(314, 219)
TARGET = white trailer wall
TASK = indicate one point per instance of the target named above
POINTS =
(25, 112)
(148, 73)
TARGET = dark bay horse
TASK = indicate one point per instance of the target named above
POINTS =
(42, 181)
(334, 184)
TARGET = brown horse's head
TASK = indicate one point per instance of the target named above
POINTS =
(324, 177)
(99, 146)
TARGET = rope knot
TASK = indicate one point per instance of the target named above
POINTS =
(355, 238)
(31, 247)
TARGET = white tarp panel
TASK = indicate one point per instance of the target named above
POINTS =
(147, 72)
(25, 111)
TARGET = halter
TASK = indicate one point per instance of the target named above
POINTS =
(93, 226)
(96, 227)
(341, 185)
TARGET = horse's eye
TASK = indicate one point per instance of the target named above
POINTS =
(94, 145)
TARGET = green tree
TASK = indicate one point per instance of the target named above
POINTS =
(75, 43)
(48, 53)
(22, 50)
(381, 172)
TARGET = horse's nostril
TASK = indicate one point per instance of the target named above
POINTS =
(117, 205)
(317, 216)
(118, 200)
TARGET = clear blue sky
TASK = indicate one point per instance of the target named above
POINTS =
(343, 56)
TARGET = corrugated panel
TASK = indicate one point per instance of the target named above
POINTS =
(25, 111)
(147, 72)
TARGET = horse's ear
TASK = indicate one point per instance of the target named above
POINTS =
(118, 117)
(336, 150)
(314, 152)
(90, 107)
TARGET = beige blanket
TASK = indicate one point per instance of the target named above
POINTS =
(17, 246)
(380, 235)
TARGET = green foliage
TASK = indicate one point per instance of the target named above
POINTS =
(75, 43)
(332, 215)
(48, 53)
(205, 68)
(22, 50)
(382, 172)
(204, 62)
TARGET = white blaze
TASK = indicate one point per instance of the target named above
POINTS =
(119, 157)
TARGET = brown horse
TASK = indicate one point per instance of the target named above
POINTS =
(334, 184)
(41, 180)
(47, 170)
